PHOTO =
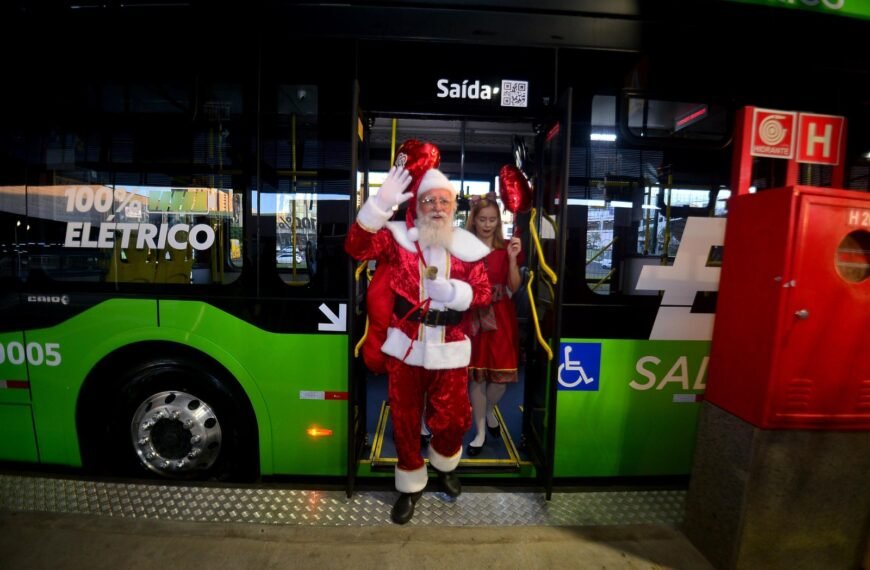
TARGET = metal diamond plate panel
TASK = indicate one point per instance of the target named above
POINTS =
(267, 505)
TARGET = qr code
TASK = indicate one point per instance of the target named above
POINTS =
(514, 93)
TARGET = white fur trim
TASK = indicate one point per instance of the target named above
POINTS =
(412, 481)
(466, 246)
(400, 234)
(434, 179)
(428, 355)
(444, 464)
(371, 217)
(462, 295)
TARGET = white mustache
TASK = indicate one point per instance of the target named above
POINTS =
(435, 229)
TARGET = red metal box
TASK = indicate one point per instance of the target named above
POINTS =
(791, 340)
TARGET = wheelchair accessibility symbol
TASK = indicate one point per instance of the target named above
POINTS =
(579, 366)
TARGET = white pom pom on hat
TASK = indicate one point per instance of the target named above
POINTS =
(434, 179)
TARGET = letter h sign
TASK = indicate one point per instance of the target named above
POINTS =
(819, 138)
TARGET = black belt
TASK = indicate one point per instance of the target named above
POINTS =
(430, 318)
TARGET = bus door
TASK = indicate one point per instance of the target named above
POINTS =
(472, 152)
(546, 247)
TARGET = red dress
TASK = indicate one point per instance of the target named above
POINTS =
(494, 351)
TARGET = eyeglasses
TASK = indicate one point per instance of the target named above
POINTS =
(429, 202)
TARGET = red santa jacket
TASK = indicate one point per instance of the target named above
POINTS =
(431, 347)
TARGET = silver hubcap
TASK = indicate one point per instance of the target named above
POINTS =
(175, 433)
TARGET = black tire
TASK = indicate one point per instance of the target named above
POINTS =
(174, 418)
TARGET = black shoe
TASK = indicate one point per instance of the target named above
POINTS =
(473, 451)
(495, 432)
(424, 440)
(403, 510)
(449, 483)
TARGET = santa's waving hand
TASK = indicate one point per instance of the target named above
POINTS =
(392, 191)
(436, 273)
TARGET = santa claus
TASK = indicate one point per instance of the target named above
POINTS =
(437, 274)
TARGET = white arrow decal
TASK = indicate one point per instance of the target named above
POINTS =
(336, 323)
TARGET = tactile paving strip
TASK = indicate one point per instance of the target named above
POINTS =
(267, 505)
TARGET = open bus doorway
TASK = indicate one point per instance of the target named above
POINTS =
(472, 153)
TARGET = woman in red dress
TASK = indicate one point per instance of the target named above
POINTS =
(494, 344)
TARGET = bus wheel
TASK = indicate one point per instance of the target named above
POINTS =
(176, 433)
(180, 421)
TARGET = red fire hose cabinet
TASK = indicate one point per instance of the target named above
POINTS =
(791, 340)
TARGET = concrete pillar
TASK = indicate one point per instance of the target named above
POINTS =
(771, 499)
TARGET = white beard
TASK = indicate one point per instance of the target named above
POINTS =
(434, 232)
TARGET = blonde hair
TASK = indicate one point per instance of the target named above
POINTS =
(476, 207)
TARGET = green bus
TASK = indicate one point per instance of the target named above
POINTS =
(176, 187)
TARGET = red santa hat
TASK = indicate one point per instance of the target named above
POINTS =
(434, 179)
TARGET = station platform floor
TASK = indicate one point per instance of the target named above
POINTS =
(62, 521)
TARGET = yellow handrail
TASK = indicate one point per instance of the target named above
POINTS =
(293, 187)
(667, 237)
(538, 334)
(362, 340)
(550, 288)
(601, 281)
(546, 268)
(359, 270)
(602, 250)
(356, 274)
(550, 219)
(395, 124)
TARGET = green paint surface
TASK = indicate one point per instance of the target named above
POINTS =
(17, 442)
(273, 369)
(279, 372)
(849, 8)
(621, 430)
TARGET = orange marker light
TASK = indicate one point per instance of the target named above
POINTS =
(319, 432)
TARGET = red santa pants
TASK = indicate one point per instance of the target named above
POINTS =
(448, 416)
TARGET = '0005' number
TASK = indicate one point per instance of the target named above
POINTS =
(35, 353)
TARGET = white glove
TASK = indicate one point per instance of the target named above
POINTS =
(392, 191)
(440, 289)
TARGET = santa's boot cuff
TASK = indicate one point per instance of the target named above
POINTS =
(443, 463)
(411, 481)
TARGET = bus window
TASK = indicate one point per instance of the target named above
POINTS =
(292, 200)
(13, 229)
(296, 231)
(626, 208)
(143, 191)
(698, 122)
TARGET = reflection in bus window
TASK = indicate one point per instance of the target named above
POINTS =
(132, 234)
(627, 209)
(296, 236)
(621, 234)
(695, 121)
(470, 190)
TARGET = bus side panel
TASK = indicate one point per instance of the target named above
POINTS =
(17, 440)
(66, 356)
(639, 417)
(301, 377)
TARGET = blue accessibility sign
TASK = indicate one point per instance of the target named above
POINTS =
(579, 366)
